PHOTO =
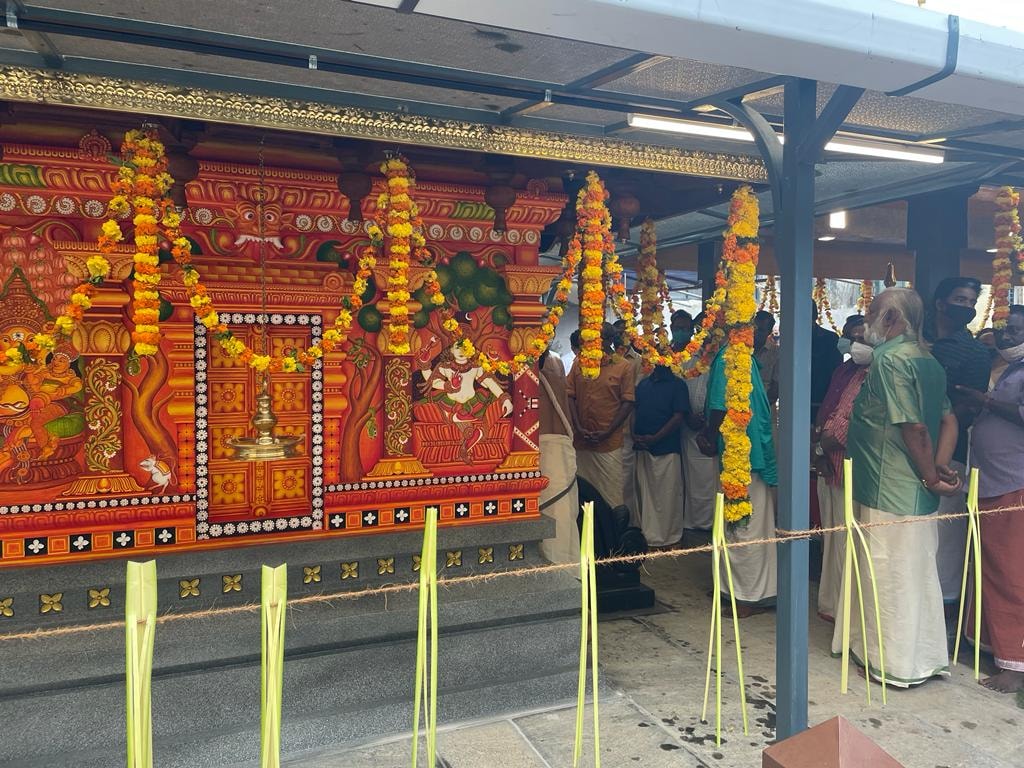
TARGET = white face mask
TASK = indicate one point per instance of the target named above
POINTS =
(861, 353)
(1013, 354)
(874, 334)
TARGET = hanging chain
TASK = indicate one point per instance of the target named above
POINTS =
(260, 202)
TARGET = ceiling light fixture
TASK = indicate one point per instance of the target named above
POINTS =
(991, 250)
(845, 145)
(827, 238)
(837, 220)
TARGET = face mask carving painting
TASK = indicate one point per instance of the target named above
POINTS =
(1013, 354)
(861, 354)
(843, 345)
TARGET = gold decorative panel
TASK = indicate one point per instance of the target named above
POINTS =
(122, 95)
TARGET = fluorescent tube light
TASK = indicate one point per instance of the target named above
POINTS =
(845, 145)
(827, 238)
(690, 128)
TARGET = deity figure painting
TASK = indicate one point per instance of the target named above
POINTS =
(455, 390)
(41, 421)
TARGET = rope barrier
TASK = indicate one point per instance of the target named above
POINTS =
(782, 536)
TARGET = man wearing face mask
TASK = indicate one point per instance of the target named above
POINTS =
(967, 365)
(997, 450)
(681, 326)
(829, 445)
(901, 439)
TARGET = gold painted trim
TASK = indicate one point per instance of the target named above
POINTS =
(120, 95)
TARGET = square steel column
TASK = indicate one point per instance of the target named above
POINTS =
(795, 254)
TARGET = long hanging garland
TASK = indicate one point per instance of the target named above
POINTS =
(820, 295)
(649, 280)
(593, 234)
(1008, 245)
(867, 289)
(770, 296)
(740, 251)
(655, 348)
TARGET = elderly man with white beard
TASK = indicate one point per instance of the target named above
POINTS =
(901, 439)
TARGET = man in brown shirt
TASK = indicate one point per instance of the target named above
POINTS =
(599, 409)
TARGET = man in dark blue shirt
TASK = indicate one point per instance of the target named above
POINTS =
(662, 403)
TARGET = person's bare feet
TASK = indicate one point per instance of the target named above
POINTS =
(1005, 681)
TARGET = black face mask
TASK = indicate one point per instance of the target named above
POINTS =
(959, 316)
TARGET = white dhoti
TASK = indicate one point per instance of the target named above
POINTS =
(559, 500)
(952, 540)
(753, 567)
(659, 488)
(910, 601)
(629, 497)
(700, 474)
(833, 547)
(604, 472)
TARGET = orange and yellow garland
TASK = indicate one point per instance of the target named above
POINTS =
(867, 290)
(740, 252)
(141, 187)
(404, 231)
(654, 346)
(770, 296)
(649, 280)
(593, 238)
(1008, 242)
(820, 296)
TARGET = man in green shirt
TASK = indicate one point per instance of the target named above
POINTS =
(753, 567)
(901, 439)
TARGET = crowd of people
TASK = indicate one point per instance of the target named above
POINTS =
(906, 392)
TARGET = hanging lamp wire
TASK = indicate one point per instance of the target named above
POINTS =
(267, 445)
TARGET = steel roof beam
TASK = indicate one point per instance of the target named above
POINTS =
(40, 43)
(210, 43)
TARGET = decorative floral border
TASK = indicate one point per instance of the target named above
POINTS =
(442, 480)
(314, 520)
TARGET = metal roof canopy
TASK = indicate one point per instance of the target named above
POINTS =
(322, 51)
(470, 67)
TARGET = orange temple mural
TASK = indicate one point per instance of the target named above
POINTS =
(102, 453)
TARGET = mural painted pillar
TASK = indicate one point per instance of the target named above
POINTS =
(103, 342)
(526, 283)
(398, 458)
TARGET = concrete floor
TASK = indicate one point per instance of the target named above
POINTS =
(652, 670)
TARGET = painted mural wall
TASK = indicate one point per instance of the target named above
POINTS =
(101, 455)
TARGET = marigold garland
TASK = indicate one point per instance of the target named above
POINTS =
(740, 253)
(867, 290)
(770, 296)
(404, 238)
(593, 237)
(1008, 242)
(654, 346)
(820, 295)
(649, 280)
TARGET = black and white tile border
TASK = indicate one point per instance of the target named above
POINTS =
(312, 521)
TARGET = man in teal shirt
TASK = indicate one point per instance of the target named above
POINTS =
(901, 439)
(753, 568)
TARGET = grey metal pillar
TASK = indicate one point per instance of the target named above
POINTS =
(937, 233)
(795, 255)
(791, 172)
(708, 253)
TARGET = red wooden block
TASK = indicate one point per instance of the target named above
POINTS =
(836, 743)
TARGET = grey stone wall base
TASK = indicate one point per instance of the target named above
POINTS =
(505, 644)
